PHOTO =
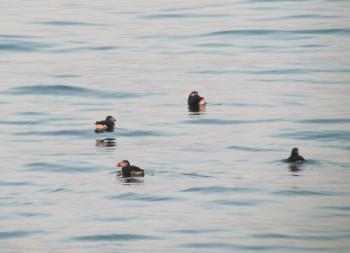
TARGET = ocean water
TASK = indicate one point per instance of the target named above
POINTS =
(275, 74)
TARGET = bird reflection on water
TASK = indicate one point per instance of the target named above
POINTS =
(129, 180)
(108, 143)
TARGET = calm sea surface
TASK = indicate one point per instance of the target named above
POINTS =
(275, 74)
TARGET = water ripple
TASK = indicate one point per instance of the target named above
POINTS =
(202, 121)
(17, 234)
(325, 135)
(114, 237)
(304, 193)
(250, 149)
(260, 32)
(324, 121)
(60, 168)
(218, 189)
(68, 23)
(65, 90)
(143, 197)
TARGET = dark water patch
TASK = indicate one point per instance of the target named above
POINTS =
(119, 218)
(181, 16)
(247, 203)
(23, 46)
(68, 23)
(339, 208)
(196, 175)
(251, 149)
(216, 245)
(15, 183)
(32, 215)
(141, 133)
(16, 234)
(60, 168)
(322, 135)
(219, 189)
(284, 71)
(206, 121)
(16, 36)
(195, 231)
(66, 90)
(194, 7)
(304, 237)
(66, 76)
(249, 105)
(213, 45)
(32, 113)
(324, 121)
(113, 237)
(285, 33)
(296, 17)
(60, 133)
(250, 248)
(19, 122)
(143, 197)
(92, 48)
(55, 190)
(305, 193)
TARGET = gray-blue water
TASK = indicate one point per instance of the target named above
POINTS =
(275, 74)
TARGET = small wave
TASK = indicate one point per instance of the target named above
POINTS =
(213, 45)
(62, 133)
(247, 203)
(250, 248)
(326, 135)
(14, 183)
(23, 46)
(65, 90)
(141, 133)
(68, 23)
(339, 208)
(250, 149)
(17, 234)
(113, 237)
(19, 122)
(302, 237)
(142, 197)
(60, 168)
(202, 121)
(261, 32)
(303, 193)
(218, 189)
(324, 121)
(66, 76)
(91, 48)
(196, 175)
(181, 16)
(32, 214)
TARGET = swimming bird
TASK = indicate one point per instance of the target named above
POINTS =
(130, 170)
(106, 125)
(295, 157)
(195, 102)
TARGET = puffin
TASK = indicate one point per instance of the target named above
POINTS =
(295, 157)
(106, 125)
(128, 170)
(195, 101)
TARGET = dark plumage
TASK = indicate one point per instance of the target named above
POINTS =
(106, 125)
(130, 170)
(295, 157)
(195, 101)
